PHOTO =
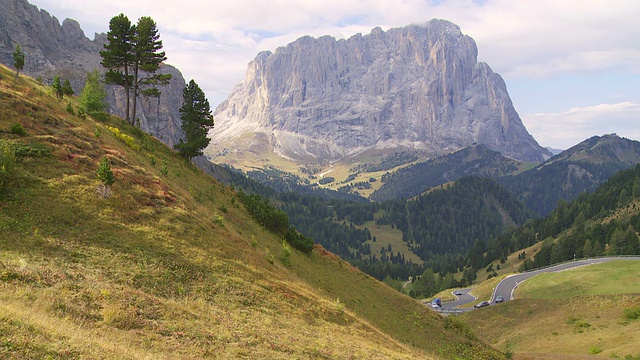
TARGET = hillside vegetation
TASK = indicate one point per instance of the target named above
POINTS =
(170, 265)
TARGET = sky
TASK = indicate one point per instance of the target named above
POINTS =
(572, 67)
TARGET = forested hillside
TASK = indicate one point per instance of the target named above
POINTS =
(604, 222)
(440, 226)
(581, 168)
(448, 227)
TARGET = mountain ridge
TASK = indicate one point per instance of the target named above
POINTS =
(417, 87)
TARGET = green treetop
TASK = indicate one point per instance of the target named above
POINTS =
(132, 49)
(18, 60)
(196, 121)
(93, 96)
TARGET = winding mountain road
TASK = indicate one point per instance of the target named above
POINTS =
(462, 299)
(507, 286)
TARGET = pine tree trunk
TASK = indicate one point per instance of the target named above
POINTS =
(135, 95)
(127, 92)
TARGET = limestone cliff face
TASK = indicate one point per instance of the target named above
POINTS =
(54, 49)
(417, 87)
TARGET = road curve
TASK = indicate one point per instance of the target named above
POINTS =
(462, 299)
(507, 286)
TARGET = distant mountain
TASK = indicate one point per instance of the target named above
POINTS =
(54, 49)
(554, 151)
(475, 160)
(417, 87)
(580, 168)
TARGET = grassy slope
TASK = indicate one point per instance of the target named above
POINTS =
(618, 277)
(172, 266)
(567, 313)
(386, 236)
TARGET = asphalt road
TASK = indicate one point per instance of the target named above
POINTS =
(507, 286)
(464, 298)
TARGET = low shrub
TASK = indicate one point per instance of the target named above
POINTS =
(595, 349)
(32, 149)
(632, 313)
(285, 254)
(18, 129)
(127, 139)
(219, 219)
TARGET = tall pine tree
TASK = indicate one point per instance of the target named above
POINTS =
(18, 60)
(148, 57)
(196, 121)
(118, 56)
(130, 50)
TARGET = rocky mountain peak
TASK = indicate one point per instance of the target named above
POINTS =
(416, 87)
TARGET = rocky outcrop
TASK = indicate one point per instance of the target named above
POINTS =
(64, 50)
(417, 87)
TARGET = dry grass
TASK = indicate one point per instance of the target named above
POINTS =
(561, 327)
(171, 265)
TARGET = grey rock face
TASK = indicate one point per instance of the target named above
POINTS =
(53, 49)
(417, 87)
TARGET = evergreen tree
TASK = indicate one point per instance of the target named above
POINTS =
(587, 250)
(616, 242)
(597, 248)
(105, 175)
(118, 56)
(631, 245)
(148, 57)
(57, 87)
(130, 50)
(92, 98)
(67, 89)
(196, 121)
(18, 60)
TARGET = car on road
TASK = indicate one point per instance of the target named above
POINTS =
(499, 299)
(481, 304)
(436, 303)
(457, 293)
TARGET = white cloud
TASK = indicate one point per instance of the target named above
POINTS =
(565, 129)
